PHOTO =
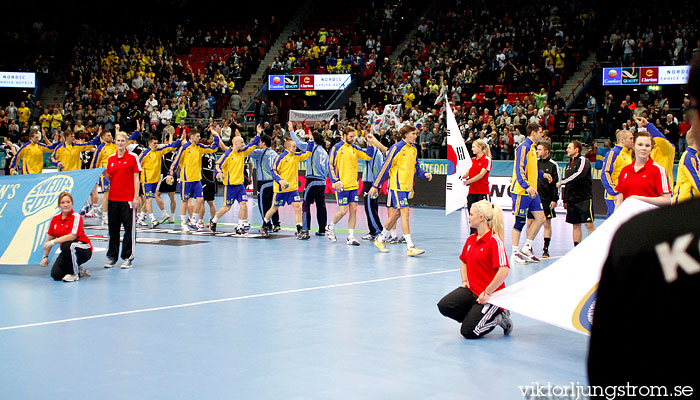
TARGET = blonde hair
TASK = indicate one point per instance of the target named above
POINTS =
(484, 147)
(122, 135)
(493, 215)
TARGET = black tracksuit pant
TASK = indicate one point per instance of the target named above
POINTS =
(121, 213)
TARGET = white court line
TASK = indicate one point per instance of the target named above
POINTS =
(199, 303)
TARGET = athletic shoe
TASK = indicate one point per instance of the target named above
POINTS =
(320, 233)
(85, 209)
(141, 222)
(82, 272)
(264, 232)
(97, 212)
(504, 321)
(545, 253)
(127, 264)
(529, 256)
(330, 234)
(154, 223)
(246, 227)
(276, 228)
(518, 258)
(166, 219)
(368, 236)
(185, 227)
(90, 214)
(414, 251)
(110, 263)
(200, 225)
(212, 225)
(352, 242)
(381, 246)
(104, 220)
(70, 278)
(240, 230)
(396, 240)
(303, 235)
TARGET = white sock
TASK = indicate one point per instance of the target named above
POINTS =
(384, 235)
(528, 244)
(515, 249)
(351, 233)
(409, 242)
(267, 221)
(393, 233)
(215, 219)
(152, 217)
(183, 219)
(331, 226)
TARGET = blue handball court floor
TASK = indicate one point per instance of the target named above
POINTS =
(202, 316)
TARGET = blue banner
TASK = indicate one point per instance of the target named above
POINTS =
(27, 204)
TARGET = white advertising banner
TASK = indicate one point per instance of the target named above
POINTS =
(313, 116)
(17, 79)
(564, 293)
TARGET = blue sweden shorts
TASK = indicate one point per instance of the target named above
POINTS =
(522, 203)
(282, 198)
(234, 193)
(191, 190)
(347, 196)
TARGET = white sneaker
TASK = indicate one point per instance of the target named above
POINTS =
(529, 255)
(141, 222)
(352, 242)
(185, 227)
(330, 234)
(127, 264)
(110, 263)
(104, 220)
(518, 258)
(71, 278)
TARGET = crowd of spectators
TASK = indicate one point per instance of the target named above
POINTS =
(656, 34)
(118, 78)
(344, 38)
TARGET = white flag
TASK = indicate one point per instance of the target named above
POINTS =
(564, 293)
(458, 164)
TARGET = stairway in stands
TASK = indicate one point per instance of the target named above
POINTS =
(255, 83)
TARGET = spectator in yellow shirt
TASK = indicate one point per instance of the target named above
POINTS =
(23, 113)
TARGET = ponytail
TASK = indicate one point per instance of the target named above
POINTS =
(493, 215)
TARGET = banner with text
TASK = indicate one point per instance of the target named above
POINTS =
(564, 293)
(313, 116)
(27, 204)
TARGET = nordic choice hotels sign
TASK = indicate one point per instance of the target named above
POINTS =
(662, 75)
(309, 82)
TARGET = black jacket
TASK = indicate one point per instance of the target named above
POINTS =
(548, 191)
(577, 182)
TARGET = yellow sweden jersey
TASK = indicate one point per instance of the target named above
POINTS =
(525, 170)
(342, 163)
(189, 160)
(401, 165)
(688, 183)
(286, 167)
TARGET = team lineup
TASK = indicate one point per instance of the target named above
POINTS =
(191, 159)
